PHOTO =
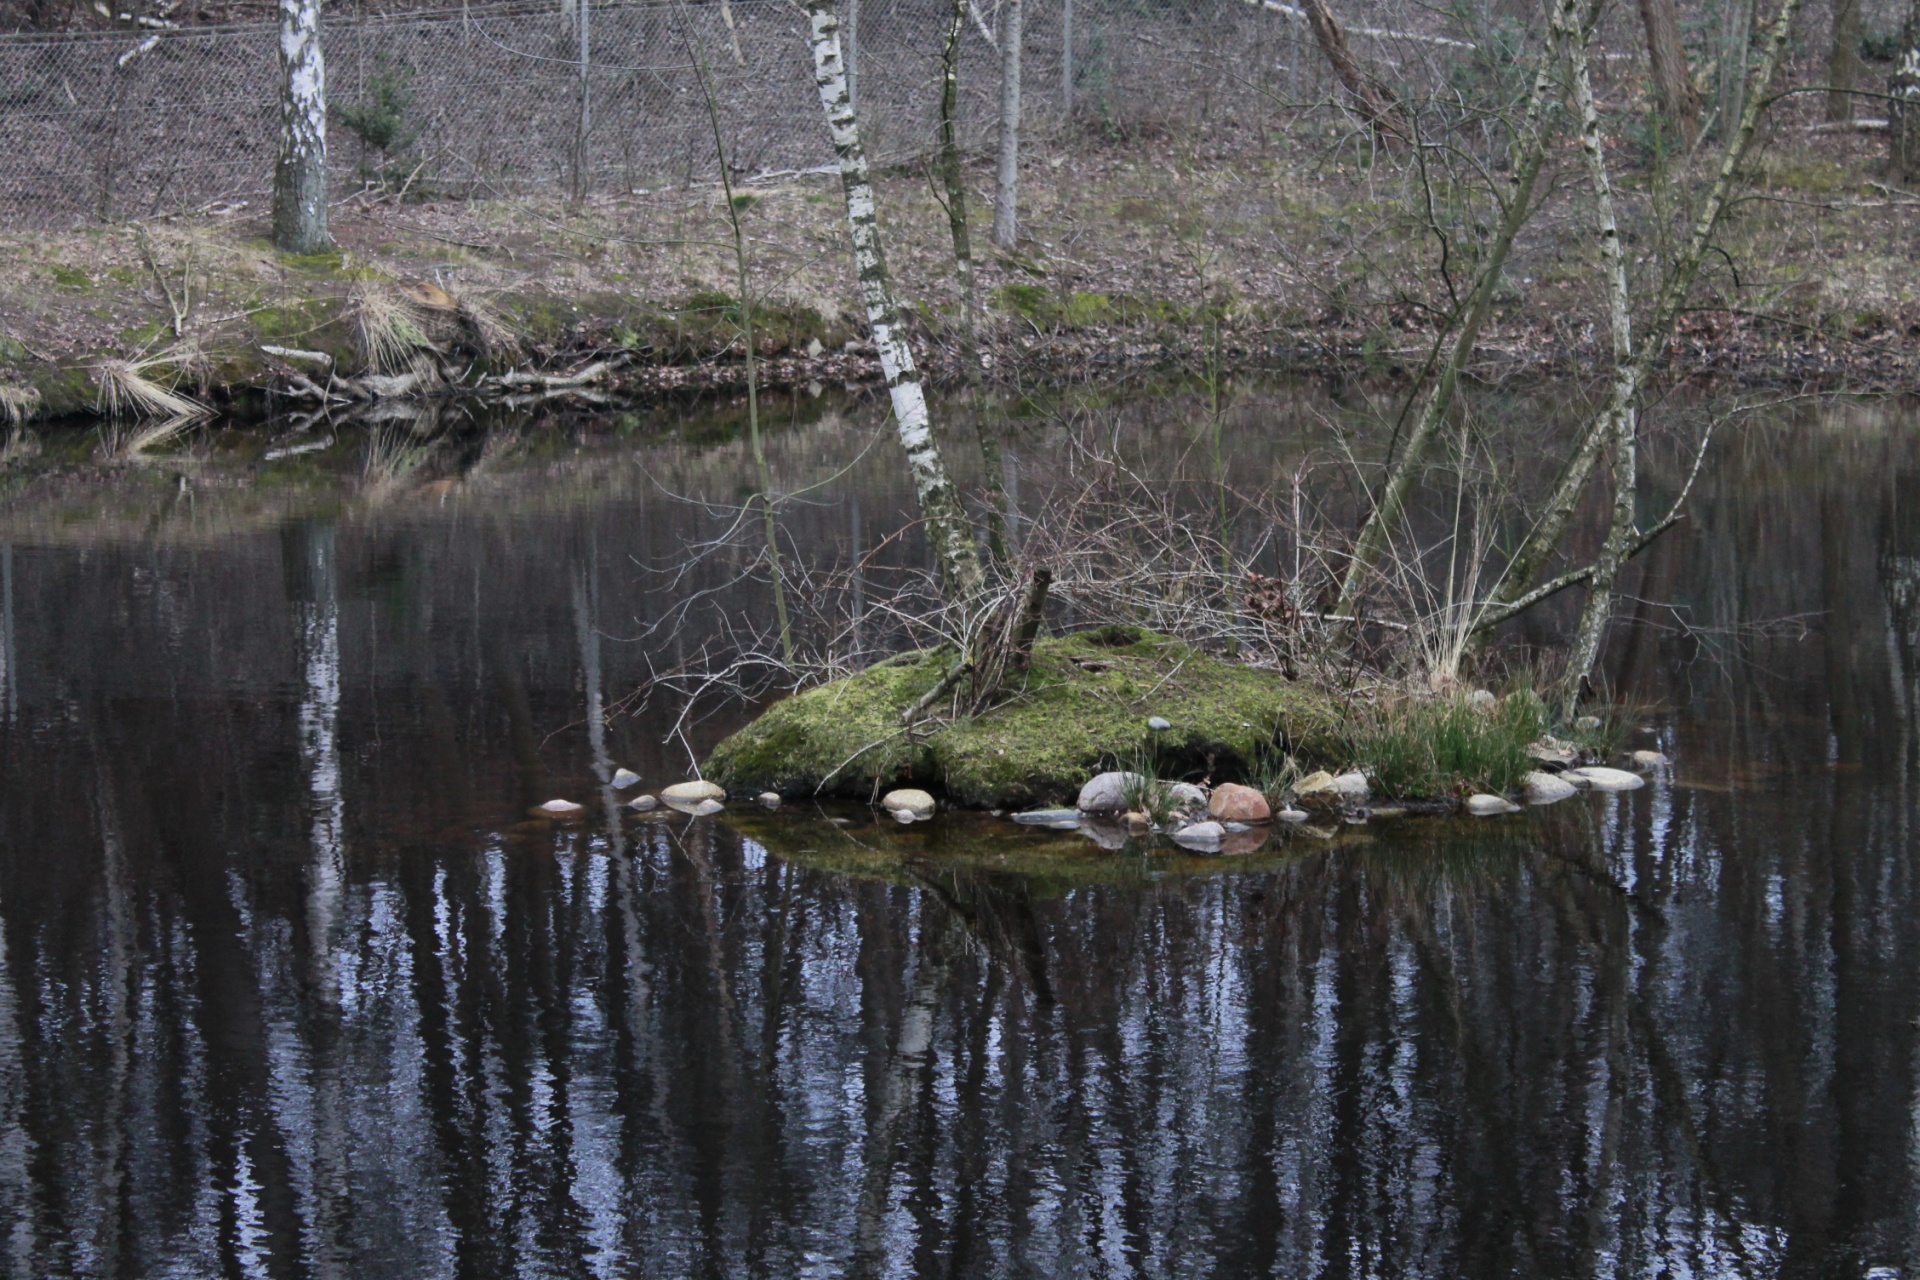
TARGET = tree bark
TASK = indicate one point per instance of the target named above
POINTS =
(1673, 86)
(952, 171)
(1843, 59)
(1375, 102)
(1006, 214)
(1619, 420)
(300, 177)
(1530, 155)
(948, 532)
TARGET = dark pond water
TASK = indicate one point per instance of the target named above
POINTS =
(290, 985)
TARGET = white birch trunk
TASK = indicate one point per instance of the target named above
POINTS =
(946, 522)
(1526, 563)
(1619, 424)
(1006, 194)
(300, 177)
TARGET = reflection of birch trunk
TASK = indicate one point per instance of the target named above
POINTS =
(1620, 421)
(17, 1247)
(116, 1019)
(907, 1071)
(319, 720)
(9, 668)
(1006, 192)
(945, 519)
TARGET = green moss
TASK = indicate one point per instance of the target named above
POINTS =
(1063, 724)
(71, 278)
(1029, 300)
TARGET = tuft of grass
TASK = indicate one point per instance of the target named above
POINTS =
(1418, 748)
(386, 330)
(146, 389)
(17, 402)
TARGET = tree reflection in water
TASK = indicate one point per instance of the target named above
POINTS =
(290, 985)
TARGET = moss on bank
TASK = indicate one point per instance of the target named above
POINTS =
(1083, 706)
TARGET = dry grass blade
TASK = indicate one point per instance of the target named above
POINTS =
(131, 389)
(17, 402)
(386, 328)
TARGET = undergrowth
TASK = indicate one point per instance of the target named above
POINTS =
(1425, 748)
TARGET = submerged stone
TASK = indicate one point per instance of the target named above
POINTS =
(1047, 817)
(1487, 806)
(1041, 745)
(559, 808)
(644, 804)
(624, 778)
(1203, 836)
(769, 799)
(1649, 759)
(1601, 778)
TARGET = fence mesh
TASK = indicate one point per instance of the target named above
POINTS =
(489, 99)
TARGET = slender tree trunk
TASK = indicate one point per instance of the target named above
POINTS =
(1066, 57)
(1006, 193)
(1530, 153)
(946, 521)
(1843, 59)
(300, 178)
(1667, 56)
(852, 42)
(1619, 418)
(1370, 94)
(952, 171)
(1527, 562)
(1903, 106)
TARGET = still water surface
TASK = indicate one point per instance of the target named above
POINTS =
(291, 986)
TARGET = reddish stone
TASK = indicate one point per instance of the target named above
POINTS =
(1232, 802)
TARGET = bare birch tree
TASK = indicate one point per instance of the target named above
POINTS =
(948, 532)
(1006, 192)
(300, 177)
(1619, 422)
(1515, 590)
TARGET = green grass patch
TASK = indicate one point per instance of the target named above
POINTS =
(1427, 748)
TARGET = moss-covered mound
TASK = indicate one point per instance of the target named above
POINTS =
(1083, 706)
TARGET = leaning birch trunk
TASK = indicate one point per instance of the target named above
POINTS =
(1519, 575)
(300, 177)
(1618, 419)
(1006, 193)
(1530, 156)
(946, 521)
(952, 172)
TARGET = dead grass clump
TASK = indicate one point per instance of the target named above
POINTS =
(386, 326)
(17, 403)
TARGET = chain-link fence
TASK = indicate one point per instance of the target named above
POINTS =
(498, 99)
